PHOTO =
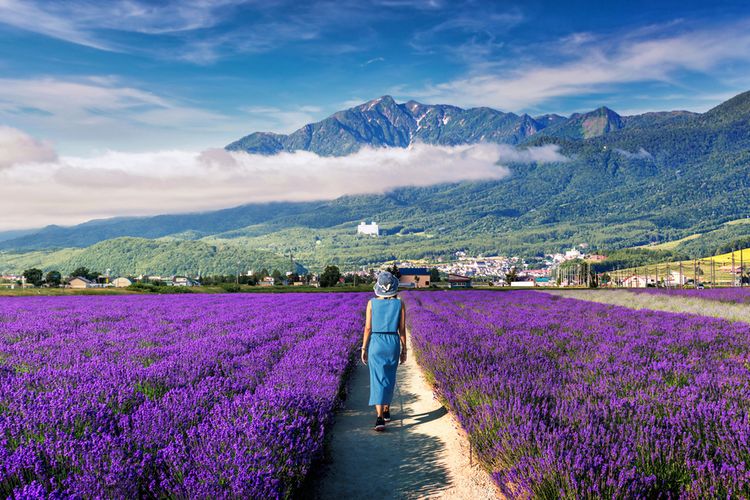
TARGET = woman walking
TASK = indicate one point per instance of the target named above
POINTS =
(383, 344)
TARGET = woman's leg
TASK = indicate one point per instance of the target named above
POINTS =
(379, 409)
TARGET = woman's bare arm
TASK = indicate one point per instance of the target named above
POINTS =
(368, 331)
(402, 331)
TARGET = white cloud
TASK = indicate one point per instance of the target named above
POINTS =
(17, 147)
(72, 189)
(592, 64)
(549, 153)
(641, 154)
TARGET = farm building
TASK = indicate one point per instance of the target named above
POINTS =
(414, 277)
(458, 281)
(635, 281)
(78, 283)
(121, 282)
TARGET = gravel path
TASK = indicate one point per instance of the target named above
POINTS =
(661, 302)
(422, 454)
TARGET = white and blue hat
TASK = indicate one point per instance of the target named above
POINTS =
(387, 285)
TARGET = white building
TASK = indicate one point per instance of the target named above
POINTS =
(121, 282)
(368, 229)
(573, 253)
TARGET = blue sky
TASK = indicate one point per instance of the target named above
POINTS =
(135, 76)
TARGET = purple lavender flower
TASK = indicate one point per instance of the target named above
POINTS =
(194, 396)
(573, 399)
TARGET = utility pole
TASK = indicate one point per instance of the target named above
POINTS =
(742, 267)
(695, 273)
(734, 274)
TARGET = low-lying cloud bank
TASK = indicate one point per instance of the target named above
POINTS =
(39, 188)
(19, 147)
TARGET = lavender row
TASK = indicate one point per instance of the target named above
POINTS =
(572, 399)
(191, 396)
(736, 295)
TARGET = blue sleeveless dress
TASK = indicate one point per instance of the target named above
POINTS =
(384, 349)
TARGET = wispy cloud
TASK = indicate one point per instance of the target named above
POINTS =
(481, 32)
(594, 64)
(107, 110)
(39, 190)
(30, 16)
(196, 31)
(373, 60)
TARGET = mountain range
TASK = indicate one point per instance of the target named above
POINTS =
(384, 123)
(630, 180)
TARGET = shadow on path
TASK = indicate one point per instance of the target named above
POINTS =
(402, 462)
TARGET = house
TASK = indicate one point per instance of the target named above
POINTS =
(414, 277)
(368, 229)
(184, 281)
(635, 281)
(121, 282)
(79, 283)
(267, 281)
(675, 278)
(543, 281)
(458, 281)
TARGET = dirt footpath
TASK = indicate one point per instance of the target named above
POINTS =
(422, 453)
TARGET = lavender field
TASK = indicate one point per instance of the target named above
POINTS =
(564, 398)
(735, 295)
(175, 396)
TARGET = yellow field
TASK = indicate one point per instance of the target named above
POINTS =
(716, 270)
(671, 245)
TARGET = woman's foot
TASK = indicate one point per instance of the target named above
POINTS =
(380, 424)
(387, 415)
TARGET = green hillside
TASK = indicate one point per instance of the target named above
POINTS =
(660, 175)
(140, 255)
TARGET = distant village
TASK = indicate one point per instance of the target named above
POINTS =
(457, 271)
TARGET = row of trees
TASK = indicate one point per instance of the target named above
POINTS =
(331, 276)
(54, 278)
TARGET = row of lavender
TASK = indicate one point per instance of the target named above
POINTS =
(736, 295)
(572, 399)
(183, 396)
